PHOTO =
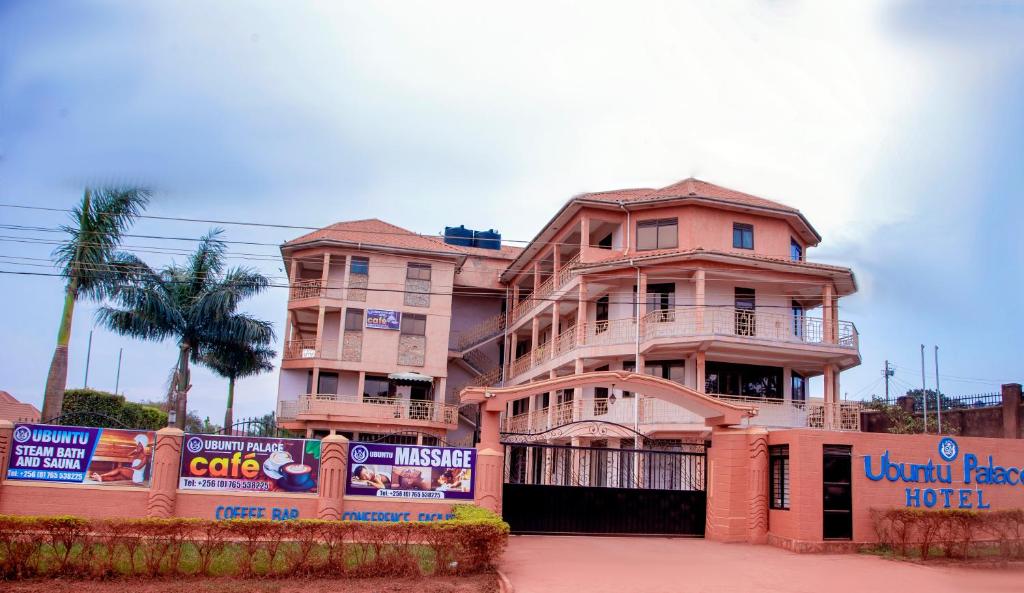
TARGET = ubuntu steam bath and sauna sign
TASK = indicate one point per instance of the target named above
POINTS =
(81, 454)
(954, 481)
(409, 471)
(255, 464)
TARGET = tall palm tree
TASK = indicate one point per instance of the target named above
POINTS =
(92, 266)
(196, 304)
(235, 362)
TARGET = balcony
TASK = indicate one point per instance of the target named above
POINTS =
(306, 289)
(654, 412)
(699, 323)
(565, 273)
(328, 406)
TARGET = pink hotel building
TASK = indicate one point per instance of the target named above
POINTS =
(386, 326)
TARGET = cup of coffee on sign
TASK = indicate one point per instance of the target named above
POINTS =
(297, 477)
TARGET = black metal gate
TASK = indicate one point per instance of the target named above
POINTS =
(600, 490)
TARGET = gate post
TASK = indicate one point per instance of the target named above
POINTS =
(490, 462)
(333, 477)
(166, 469)
(6, 433)
(737, 489)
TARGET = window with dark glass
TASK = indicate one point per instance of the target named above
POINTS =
(799, 387)
(796, 252)
(745, 321)
(606, 242)
(418, 272)
(726, 378)
(353, 320)
(520, 406)
(661, 297)
(778, 474)
(798, 319)
(413, 324)
(359, 265)
(376, 387)
(601, 314)
(742, 236)
(662, 233)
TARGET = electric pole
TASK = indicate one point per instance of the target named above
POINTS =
(924, 392)
(887, 372)
(938, 394)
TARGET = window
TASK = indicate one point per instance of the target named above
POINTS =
(418, 272)
(799, 390)
(796, 252)
(746, 323)
(798, 319)
(742, 236)
(376, 387)
(353, 320)
(601, 314)
(778, 476)
(520, 406)
(414, 325)
(359, 265)
(662, 233)
(743, 379)
(661, 298)
(605, 243)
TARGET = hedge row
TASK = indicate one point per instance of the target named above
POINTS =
(87, 548)
(953, 533)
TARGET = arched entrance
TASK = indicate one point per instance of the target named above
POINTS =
(620, 481)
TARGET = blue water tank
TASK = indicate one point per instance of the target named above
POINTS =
(458, 235)
(489, 239)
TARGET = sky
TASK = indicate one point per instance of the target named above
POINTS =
(895, 127)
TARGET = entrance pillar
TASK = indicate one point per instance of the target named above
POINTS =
(333, 477)
(164, 479)
(737, 488)
(490, 462)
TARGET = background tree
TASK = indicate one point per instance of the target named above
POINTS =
(236, 361)
(92, 266)
(196, 304)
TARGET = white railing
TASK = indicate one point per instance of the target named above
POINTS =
(654, 411)
(329, 404)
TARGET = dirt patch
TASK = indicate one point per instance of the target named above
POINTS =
(486, 583)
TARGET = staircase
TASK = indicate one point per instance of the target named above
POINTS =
(480, 334)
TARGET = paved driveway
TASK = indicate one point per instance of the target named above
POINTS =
(540, 564)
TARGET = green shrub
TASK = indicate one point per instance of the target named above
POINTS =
(956, 533)
(149, 548)
(91, 407)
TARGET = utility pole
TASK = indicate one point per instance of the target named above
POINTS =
(887, 372)
(88, 355)
(938, 394)
(117, 381)
(924, 392)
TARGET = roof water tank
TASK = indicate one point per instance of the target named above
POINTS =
(458, 235)
(489, 239)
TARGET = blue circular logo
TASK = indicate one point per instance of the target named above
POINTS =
(360, 454)
(948, 449)
(194, 445)
(22, 434)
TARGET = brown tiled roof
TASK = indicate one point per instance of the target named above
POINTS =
(13, 410)
(618, 257)
(377, 233)
(687, 188)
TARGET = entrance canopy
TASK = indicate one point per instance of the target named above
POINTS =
(716, 412)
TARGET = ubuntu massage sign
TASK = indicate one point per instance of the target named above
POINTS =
(410, 471)
(970, 476)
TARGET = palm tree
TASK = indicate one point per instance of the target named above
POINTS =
(196, 304)
(236, 361)
(92, 266)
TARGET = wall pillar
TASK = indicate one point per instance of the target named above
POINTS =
(698, 300)
(577, 392)
(737, 488)
(6, 433)
(490, 462)
(554, 329)
(534, 339)
(163, 482)
(828, 315)
(830, 411)
(581, 313)
(333, 476)
(641, 294)
(1011, 411)
(702, 359)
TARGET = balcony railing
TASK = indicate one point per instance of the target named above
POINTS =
(328, 404)
(565, 273)
(653, 411)
(308, 349)
(488, 328)
(306, 289)
(697, 322)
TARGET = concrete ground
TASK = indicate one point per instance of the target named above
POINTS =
(543, 564)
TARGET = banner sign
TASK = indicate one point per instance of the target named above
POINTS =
(410, 471)
(255, 464)
(948, 484)
(81, 454)
(383, 319)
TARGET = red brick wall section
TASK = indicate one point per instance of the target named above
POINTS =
(801, 526)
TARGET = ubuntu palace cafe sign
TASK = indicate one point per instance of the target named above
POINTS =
(954, 481)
